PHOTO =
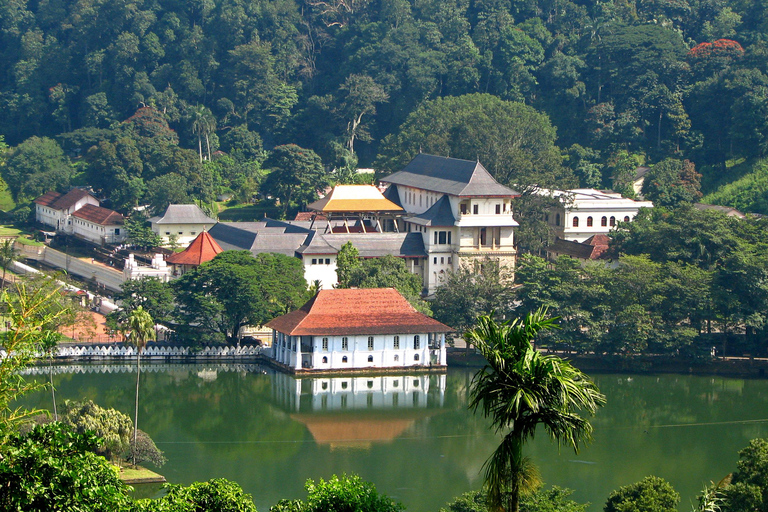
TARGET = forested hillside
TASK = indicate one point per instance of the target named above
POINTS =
(136, 97)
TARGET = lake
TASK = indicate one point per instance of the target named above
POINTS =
(412, 435)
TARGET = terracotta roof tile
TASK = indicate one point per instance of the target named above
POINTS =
(99, 215)
(59, 201)
(203, 248)
(48, 198)
(356, 311)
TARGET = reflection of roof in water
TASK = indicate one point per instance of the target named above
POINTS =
(358, 429)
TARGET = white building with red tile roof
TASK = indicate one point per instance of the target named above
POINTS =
(78, 213)
(354, 329)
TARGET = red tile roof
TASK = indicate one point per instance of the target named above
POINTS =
(356, 311)
(59, 201)
(99, 215)
(203, 248)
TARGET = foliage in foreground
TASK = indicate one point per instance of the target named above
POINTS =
(519, 389)
(340, 494)
(217, 495)
(55, 468)
(555, 499)
(651, 494)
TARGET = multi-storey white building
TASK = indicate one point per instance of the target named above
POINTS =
(585, 212)
(461, 211)
(351, 329)
(184, 221)
(78, 213)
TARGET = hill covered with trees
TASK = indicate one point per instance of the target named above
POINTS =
(137, 97)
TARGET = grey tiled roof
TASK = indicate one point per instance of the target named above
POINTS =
(369, 245)
(265, 236)
(439, 214)
(391, 193)
(449, 176)
(183, 214)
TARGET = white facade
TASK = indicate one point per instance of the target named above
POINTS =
(320, 267)
(97, 233)
(61, 218)
(483, 227)
(184, 233)
(587, 212)
(359, 351)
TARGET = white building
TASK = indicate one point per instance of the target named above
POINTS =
(78, 213)
(185, 221)
(352, 329)
(54, 208)
(462, 213)
(585, 212)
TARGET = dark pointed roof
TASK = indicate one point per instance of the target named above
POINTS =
(463, 178)
(439, 214)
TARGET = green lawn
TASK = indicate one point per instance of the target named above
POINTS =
(138, 474)
(6, 201)
(248, 212)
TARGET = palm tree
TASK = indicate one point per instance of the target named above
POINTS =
(7, 256)
(520, 388)
(203, 124)
(140, 329)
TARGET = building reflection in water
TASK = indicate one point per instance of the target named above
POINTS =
(360, 411)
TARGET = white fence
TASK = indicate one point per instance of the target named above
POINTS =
(202, 371)
(157, 353)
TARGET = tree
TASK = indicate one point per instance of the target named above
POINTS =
(513, 141)
(140, 232)
(520, 388)
(749, 486)
(555, 499)
(671, 182)
(8, 255)
(388, 272)
(203, 124)
(472, 291)
(112, 427)
(140, 329)
(296, 177)
(340, 494)
(34, 167)
(218, 494)
(28, 320)
(154, 295)
(54, 468)
(347, 262)
(236, 289)
(361, 94)
(651, 494)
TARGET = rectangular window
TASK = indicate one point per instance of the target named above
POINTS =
(117, 231)
(449, 238)
(498, 209)
(325, 344)
(449, 260)
(436, 238)
(463, 208)
(193, 232)
(435, 260)
(167, 232)
(181, 232)
(416, 342)
(314, 261)
(474, 209)
(344, 343)
(396, 343)
(370, 342)
(442, 260)
(442, 238)
(327, 261)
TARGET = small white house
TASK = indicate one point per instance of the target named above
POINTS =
(185, 221)
(353, 329)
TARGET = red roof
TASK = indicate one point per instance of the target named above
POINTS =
(59, 201)
(203, 248)
(356, 311)
(99, 215)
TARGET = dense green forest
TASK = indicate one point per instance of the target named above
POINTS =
(136, 97)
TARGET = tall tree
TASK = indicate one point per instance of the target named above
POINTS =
(520, 388)
(8, 255)
(140, 329)
(203, 124)
(296, 176)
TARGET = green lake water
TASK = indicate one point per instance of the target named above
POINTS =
(412, 435)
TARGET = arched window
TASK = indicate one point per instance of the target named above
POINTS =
(626, 218)
(397, 358)
(416, 357)
(344, 359)
(604, 221)
(589, 222)
(325, 361)
(370, 359)
(416, 342)
(557, 219)
(575, 222)
(613, 221)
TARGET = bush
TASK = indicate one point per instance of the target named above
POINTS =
(113, 427)
(651, 494)
(144, 450)
(218, 495)
(345, 494)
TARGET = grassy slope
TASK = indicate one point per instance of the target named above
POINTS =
(748, 193)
